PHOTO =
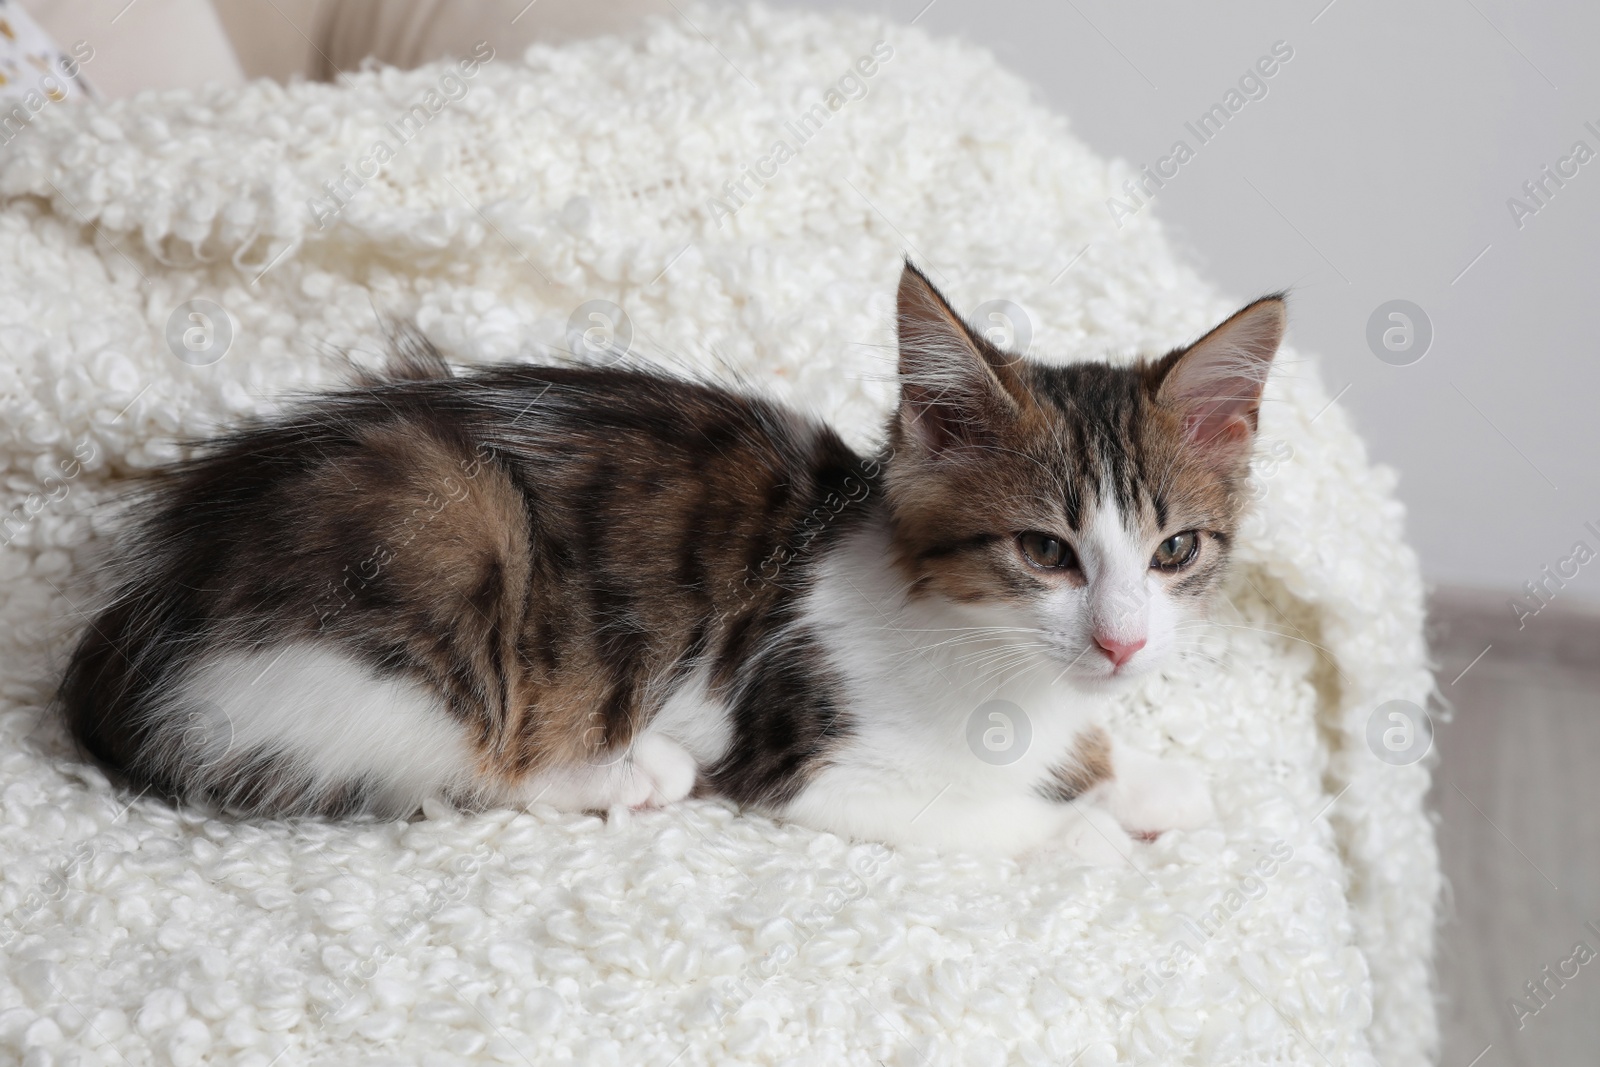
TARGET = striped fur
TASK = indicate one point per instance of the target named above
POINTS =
(593, 587)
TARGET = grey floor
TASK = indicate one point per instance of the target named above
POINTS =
(1518, 801)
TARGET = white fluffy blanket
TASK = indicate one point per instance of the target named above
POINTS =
(134, 932)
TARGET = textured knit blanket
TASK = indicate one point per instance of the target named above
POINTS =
(730, 195)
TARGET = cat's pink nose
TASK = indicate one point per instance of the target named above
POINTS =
(1118, 652)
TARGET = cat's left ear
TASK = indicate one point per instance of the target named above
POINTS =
(1215, 384)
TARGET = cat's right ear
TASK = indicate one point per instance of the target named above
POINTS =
(1215, 384)
(953, 385)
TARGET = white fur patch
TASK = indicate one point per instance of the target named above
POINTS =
(332, 717)
(695, 720)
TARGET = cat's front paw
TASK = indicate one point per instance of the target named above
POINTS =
(1150, 796)
(1094, 836)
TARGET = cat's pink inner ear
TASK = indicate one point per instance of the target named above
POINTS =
(1215, 384)
(950, 395)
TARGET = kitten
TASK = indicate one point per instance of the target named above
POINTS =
(602, 587)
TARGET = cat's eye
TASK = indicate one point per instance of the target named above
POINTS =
(1176, 552)
(1043, 550)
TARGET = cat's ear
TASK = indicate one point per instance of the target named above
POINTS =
(1215, 384)
(956, 389)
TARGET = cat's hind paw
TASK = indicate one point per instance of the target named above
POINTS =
(666, 767)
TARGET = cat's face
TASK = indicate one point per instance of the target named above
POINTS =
(1084, 509)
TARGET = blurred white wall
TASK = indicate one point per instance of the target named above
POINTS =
(1378, 167)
